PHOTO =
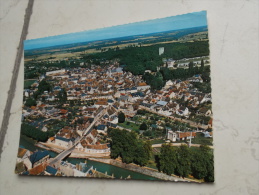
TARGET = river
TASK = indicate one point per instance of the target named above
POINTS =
(118, 172)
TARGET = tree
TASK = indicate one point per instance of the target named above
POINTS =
(143, 126)
(203, 164)
(121, 117)
(30, 102)
(142, 154)
(190, 65)
(44, 86)
(126, 145)
(183, 168)
(202, 65)
(167, 160)
(62, 96)
(191, 69)
(148, 148)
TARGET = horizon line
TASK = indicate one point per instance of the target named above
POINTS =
(159, 25)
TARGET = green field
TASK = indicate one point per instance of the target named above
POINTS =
(28, 83)
(200, 139)
(130, 125)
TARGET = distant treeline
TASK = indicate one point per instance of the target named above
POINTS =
(139, 59)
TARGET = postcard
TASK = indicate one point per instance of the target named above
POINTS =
(129, 102)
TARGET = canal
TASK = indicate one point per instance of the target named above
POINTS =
(118, 172)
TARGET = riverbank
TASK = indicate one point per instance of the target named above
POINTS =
(142, 170)
(103, 168)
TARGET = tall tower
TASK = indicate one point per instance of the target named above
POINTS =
(161, 50)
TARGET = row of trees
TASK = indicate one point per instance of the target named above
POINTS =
(183, 161)
(126, 145)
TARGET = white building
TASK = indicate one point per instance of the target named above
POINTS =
(171, 136)
(55, 72)
(161, 50)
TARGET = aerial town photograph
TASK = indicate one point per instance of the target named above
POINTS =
(130, 102)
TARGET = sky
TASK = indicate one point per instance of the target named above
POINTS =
(189, 20)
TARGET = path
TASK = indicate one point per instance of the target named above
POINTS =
(178, 144)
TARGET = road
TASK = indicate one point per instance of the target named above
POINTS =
(192, 124)
(178, 144)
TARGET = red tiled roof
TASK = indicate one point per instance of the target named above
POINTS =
(142, 84)
(63, 111)
(21, 152)
(186, 134)
(37, 170)
(97, 147)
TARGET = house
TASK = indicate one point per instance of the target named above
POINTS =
(44, 129)
(142, 86)
(20, 168)
(207, 134)
(161, 103)
(185, 135)
(78, 170)
(182, 111)
(23, 154)
(63, 142)
(98, 148)
(51, 171)
(39, 157)
(171, 136)
(204, 111)
(37, 170)
(210, 123)
(168, 84)
(102, 128)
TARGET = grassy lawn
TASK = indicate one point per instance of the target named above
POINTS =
(28, 83)
(200, 139)
(129, 125)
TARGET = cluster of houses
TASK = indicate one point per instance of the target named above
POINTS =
(111, 86)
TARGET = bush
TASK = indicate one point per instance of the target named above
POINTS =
(30, 102)
(143, 126)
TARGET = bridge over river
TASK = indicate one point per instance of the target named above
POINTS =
(68, 151)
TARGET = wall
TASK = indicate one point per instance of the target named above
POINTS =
(233, 33)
